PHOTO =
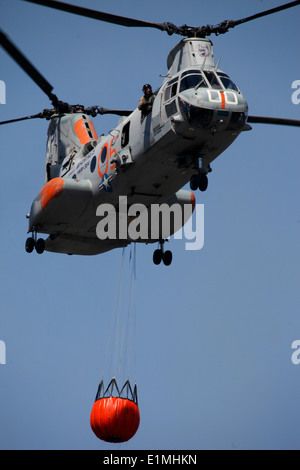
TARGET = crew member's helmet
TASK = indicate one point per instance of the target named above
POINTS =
(147, 85)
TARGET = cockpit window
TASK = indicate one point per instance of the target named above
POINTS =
(192, 81)
(227, 82)
(195, 79)
(212, 79)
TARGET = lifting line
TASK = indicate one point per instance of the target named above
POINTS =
(120, 353)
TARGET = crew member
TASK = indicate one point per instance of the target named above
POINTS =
(146, 101)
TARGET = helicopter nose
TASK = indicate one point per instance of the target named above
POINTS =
(196, 115)
(218, 112)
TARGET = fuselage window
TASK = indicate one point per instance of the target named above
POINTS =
(171, 89)
(103, 154)
(125, 135)
(93, 164)
(171, 108)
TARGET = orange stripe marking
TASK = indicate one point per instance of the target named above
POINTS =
(223, 99)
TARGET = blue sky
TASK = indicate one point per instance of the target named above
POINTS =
(214, 330)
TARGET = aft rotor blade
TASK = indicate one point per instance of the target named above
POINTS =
(273, 120)
(97, 15)
(34, 116)
(118, 112)
(24, 63)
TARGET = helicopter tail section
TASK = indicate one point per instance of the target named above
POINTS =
(68, 134)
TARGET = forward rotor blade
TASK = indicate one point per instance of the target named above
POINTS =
(24, 63)
(34, 116)
(228, 24)
(97, 15)
(265, 13)
(170, 28)
(273, 120)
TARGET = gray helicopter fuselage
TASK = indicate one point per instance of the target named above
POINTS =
(197, 113)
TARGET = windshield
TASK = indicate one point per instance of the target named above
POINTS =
(192, 81)
(212, 79)
(195, 79)
(227, 82)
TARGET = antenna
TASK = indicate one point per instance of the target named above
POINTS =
(216, 67)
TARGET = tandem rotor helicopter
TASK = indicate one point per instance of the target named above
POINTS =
(154, 151)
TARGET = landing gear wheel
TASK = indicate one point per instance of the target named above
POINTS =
(194, 182)
(157, 256)
(167, 258)
(29, 245)
(199, 181)
(161, 255)
(40, 246)
(203, 182)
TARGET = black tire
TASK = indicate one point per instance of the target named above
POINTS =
(40, 246)
(157, 256)
(29, 245)
(194, 182)
(203, 182)
(167, 257)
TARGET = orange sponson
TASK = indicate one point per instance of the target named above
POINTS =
(115, 419)
(52, 189)
(193, 199)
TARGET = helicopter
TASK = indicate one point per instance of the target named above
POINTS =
(197, 113)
